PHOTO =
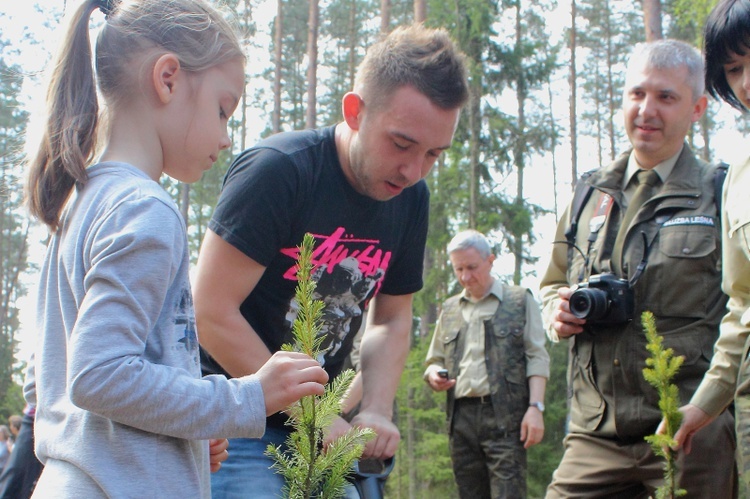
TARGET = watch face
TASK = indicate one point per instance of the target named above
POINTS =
(538, 405)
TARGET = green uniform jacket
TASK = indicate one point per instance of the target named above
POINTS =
(681, 285)
(504, 355)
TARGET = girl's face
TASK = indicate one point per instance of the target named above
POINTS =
(737, 73)
(199, 125)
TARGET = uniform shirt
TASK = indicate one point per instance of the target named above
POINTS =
(472, 380)
(680, 285)
(716, 391)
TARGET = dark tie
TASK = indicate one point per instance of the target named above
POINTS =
(646, 179)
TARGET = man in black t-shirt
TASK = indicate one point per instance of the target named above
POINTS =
(357, 187)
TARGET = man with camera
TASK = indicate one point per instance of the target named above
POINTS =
(488, 353)
(640, 234)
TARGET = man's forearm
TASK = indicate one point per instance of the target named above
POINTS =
(537, 386)
(234, 345)
(383, 358)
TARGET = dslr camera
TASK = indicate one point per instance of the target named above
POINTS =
(604, 299)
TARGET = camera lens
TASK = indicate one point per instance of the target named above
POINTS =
(589, 304)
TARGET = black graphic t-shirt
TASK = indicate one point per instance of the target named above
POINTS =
(290, 184)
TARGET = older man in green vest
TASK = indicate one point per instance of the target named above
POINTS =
(488, 354)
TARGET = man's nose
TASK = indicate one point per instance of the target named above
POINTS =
(647, 107)
(412, 170)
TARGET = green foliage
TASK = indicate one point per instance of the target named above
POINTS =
(423, 466)
(689, 18)
(14, 224)
(308, 470)
(544, 457)
(12, 403)
(663, 368)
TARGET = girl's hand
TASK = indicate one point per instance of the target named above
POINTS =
(217, 450)
(289, 376)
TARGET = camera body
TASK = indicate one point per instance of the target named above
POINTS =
(604, 299)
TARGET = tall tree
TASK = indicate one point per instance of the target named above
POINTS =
(420, 11)
(293, 77)
(14, 225)
(347, 32)
(652, 20)
(687, 18)
(611, 32)
(385, 16)
(278, 37)
(573, 81)
(312, 64)
(525, 65)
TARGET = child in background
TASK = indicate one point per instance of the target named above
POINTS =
(121, 408)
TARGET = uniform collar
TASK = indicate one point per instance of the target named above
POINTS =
(684, 179)
(496, 290)
(663, 169)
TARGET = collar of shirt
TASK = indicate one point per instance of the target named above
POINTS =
(663, 169)
(496, 290)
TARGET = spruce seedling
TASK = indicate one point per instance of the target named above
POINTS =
(311, 472)
(663, 366)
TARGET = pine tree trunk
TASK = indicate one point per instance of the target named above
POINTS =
(613, 103)
(312, 67)
(352, 43)
(652, 19)
(420, 11)
(519, 152)
(277, 56)
(573, 98)
(410, 445)
(385, 16)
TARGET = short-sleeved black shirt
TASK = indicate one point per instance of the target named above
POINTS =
(290, 184)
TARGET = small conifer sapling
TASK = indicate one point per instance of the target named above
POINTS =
(662, 368)
(309, 470)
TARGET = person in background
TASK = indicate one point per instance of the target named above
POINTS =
(358, 188)
(488, 353)
(727, 55)
(646, 239)
(14, 425)
(21, 472)
(121, 408)
(5, 445)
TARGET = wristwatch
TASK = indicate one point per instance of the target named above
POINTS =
(538, 405)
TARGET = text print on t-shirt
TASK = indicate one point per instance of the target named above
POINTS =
(348, 272)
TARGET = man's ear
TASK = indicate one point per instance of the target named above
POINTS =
(700, 107)
(352, 106)
(165, 75)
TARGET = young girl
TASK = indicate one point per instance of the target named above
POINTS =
(120, 402)
(727, 55)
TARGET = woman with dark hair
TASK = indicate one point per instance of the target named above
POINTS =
(727, 54)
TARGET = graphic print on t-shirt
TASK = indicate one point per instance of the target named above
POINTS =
(348, 272)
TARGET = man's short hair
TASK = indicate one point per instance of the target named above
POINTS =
(14, 422)
(671, 54)
(424, 58)
(470, 239)
(727, 32)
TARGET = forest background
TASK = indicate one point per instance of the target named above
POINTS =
(546, 82)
